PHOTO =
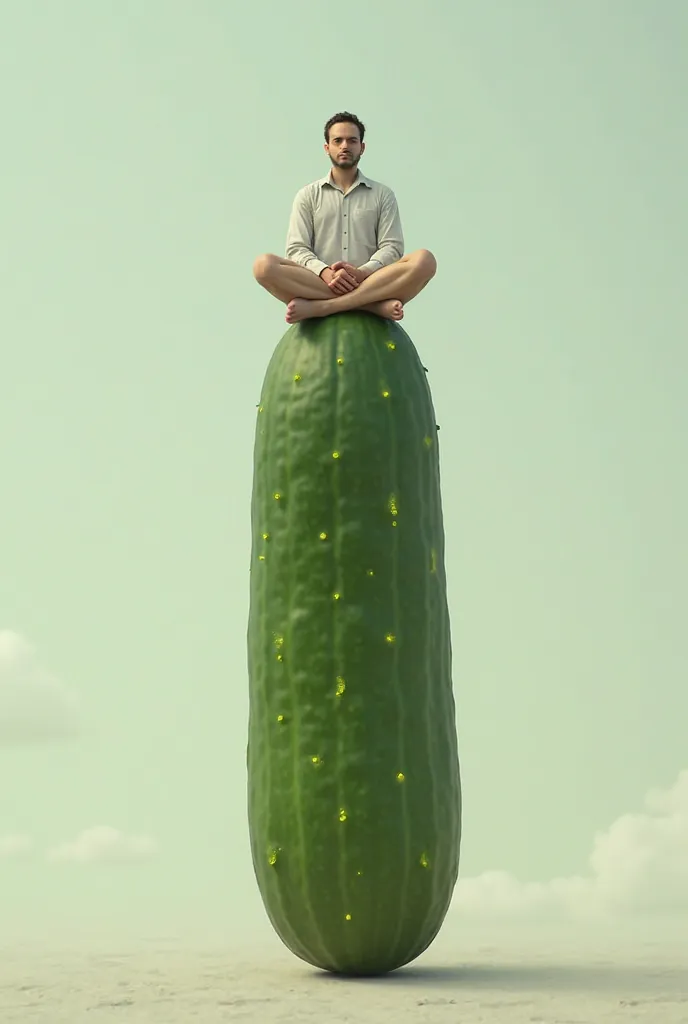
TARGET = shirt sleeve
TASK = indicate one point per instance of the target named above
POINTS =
(299, 246)
(390, 237)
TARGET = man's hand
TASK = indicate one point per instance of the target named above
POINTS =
(343, 277)
(339, 280)
(355, 272)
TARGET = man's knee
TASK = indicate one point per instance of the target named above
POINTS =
(264, 266)
(425, 263)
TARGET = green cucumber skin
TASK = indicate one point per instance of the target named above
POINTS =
(369, 893)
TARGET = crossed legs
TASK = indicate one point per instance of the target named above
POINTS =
(384, 292)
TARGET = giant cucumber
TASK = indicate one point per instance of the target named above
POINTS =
(354, 792)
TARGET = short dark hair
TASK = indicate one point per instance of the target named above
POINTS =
(344, 116)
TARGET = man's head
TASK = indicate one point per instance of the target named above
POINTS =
(344, 139)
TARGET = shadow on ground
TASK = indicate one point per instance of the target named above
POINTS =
(528, 977)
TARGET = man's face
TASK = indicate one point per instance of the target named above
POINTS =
(345, 147)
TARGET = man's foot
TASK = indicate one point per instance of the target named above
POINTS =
(390, 309)
(302, 309)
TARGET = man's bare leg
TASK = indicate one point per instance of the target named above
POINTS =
(398, 283)
(287, 280)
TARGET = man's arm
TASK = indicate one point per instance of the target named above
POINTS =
(390, 237)
(300, 234)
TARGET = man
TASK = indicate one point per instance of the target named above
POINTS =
(345, 248)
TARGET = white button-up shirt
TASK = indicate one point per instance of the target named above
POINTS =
(361, 226)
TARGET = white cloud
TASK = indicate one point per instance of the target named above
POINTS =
(34, 706)
(103, 843)
(14, 846)
(639, 865)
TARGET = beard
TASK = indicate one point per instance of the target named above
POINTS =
(347, 161)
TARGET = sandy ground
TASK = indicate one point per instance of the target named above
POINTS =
(164, 982)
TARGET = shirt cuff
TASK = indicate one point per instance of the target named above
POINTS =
(371, 266)
(317, 266)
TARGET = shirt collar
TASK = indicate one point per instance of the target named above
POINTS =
(360, 179)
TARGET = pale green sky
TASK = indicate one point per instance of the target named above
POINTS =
(149, 153)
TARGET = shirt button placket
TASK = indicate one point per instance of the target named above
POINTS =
(345, 246)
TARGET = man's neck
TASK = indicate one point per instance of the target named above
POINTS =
(344, 179)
